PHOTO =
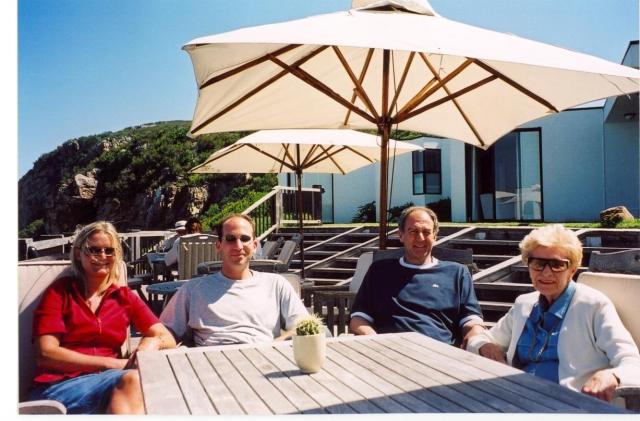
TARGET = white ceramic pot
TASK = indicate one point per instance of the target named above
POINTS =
(309, 351)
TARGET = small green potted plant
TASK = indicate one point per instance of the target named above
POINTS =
(309, 343)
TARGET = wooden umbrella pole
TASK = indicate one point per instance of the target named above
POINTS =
(299, 177)
(384, 127)
(300, 208)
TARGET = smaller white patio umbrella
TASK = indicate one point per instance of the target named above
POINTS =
(336, 151)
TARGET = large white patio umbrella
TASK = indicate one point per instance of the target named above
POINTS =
(390, 63)
(312, 150)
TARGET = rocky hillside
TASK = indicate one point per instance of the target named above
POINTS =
(137, 178)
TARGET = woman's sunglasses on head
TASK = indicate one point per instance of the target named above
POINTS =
(556, 265)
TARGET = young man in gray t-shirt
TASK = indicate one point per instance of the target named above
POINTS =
(235, 305)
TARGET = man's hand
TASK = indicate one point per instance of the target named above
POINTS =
(493, 352)
(359, 326)
(601, 385)
(469, 331)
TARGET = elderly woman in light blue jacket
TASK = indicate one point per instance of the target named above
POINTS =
(565, 332)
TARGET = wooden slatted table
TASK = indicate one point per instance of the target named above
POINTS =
(387, 373)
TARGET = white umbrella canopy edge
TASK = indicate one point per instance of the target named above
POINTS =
(297, 151)
(393, 31)
(336, 151)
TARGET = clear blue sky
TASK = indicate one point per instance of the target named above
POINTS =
(90, 66)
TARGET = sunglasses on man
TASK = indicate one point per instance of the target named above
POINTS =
(230, 238)
(97, 251)
(556, 265)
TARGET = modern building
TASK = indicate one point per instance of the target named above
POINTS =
(564, 167)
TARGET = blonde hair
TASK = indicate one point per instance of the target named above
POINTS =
(81, 238)
(554, 235)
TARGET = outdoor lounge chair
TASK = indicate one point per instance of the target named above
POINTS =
(270, 248)
(279, 265)
(33, 279)
(623, 290)
(625, 261)
(195, 249)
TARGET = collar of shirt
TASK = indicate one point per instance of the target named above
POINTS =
(78, 291)
(559, 307)
(434, 262)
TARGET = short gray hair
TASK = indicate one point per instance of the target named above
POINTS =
(408, 211)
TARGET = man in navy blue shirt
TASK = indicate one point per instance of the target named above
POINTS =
(417, 292)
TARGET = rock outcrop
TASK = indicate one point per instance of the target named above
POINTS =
(136, 178)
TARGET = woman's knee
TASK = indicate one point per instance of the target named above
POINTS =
(130, 379)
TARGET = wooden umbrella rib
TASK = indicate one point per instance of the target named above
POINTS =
(329, 155)
(446, 99)
(423, 93)
(275, 158)
(363, 73)
(295, 165)
(515, 85)
(358, 86)
(257, 89)
(248, 65)
(403, 78)
(453, 100)
(315, 83)
(428, 90)
(360, 154)
(309, 156)
(232, 149)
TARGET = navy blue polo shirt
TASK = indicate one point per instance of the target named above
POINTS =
(435, 300)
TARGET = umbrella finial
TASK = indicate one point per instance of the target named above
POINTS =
(416, 6)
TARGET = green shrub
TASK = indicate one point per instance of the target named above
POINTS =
(442, 208)
(366, 213)
(394, 213)
(32, 230)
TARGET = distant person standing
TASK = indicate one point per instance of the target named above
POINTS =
(180, 230)
(192, 226)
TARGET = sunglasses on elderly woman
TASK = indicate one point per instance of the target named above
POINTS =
(230, 238)
(556, 265)
(97, 251)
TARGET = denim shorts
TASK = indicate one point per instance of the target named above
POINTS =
(87, 394)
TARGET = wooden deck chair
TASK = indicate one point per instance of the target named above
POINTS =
(281, 263)
(623, 290)
(625, 261)
(271, 247)
(33, 279)
(195, 249)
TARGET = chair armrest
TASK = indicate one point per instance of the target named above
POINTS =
(631, 396)
(41, 407)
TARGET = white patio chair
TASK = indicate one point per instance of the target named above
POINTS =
(33, 279)
(623, 290)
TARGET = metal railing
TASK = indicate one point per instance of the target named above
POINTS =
(278, 207)
(134, 245)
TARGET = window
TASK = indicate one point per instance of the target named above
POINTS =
(427, 172)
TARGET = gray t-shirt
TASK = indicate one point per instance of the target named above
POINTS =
(216, 310)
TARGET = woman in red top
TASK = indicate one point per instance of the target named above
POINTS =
(80, 325)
